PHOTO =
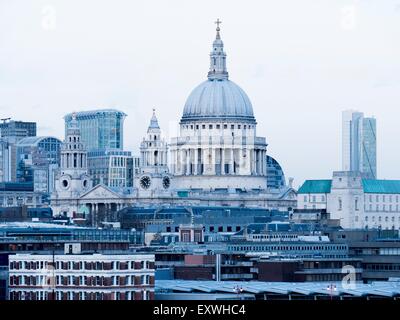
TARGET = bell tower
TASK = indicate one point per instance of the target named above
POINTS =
(154, 173)
(72, 179)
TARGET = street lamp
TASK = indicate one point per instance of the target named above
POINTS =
(238, 290)
(331, 288)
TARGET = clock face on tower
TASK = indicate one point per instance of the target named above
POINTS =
(166, 182)
(145, 182)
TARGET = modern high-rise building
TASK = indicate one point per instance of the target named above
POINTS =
(38, 159)
(16, 130)
(359, 143)
(100, 129)
(5, 157)
(10, 133)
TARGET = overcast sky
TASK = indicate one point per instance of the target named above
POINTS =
(301, 63)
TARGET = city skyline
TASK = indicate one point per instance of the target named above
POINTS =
(323, 77)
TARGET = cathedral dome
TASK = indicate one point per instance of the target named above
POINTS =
(218, 97)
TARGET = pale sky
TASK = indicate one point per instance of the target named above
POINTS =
(301, 62)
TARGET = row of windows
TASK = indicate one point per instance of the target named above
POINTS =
(383, 267)
(19, 200)
(373, 219)
(383, 208)
(114, 265)
(217, 126)
(211, 229)
(322, 198)
(46, 280)
(72, 295)
(288, 248)
(382, 198)
(314, 198)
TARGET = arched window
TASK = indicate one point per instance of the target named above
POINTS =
(156, 158)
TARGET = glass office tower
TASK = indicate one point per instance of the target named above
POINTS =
(359, 143)
(100, 129)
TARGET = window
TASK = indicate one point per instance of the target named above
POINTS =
(218, 126)
(203, 126)
(322, 198)
(225, 126)
(210, 126)
(314, 198)
(356, 204)
(232, 126)
(340, 204)
(305, 198)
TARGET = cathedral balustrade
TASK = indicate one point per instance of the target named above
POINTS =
(217, 140)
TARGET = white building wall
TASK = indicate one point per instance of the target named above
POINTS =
(312, 201)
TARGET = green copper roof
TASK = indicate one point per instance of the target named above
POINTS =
(381, 186)
(316, 186)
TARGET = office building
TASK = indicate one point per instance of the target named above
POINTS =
(355, 201)
(19, 194)
(10, 133)
(38, 160)
(100, 129)
(16, 130)
(5, 161)
(359, 144)
(75, 276)
(113, 168)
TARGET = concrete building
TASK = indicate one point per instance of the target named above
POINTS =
(14, 194)
(81, 276)
(359, 143)
(355, 201)
(100, 129)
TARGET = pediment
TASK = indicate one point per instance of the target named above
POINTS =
(100, 191)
